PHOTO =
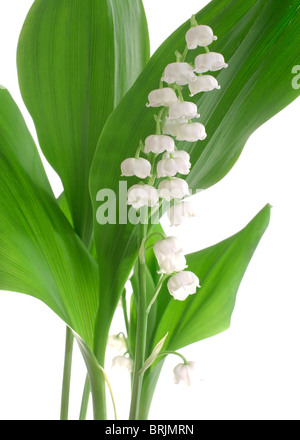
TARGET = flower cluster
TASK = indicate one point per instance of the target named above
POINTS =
(175, 121)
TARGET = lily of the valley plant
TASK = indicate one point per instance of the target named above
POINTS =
(167, 126)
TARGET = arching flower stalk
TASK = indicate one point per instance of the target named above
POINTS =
(176, 120)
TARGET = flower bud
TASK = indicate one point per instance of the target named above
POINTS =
(123, 362)
(142, 195)
(183, 372)
(169, 255)
(199, 36)
(209, 61)
(171, 164)
(191, 132)
(174, 188)
(183, 284)
(171, 126)
(162, 97)
(179, 73)
(136, 167)
(204, 83)
(179, 212)
(184, 110)
(117, 342)
(157, 144)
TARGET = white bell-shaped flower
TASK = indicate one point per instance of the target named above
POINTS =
(209, 61)
(162, 97)
(136, 167)
(117, 342)
(171, 164)
(191, 132)
(199, 36)
(179, 73)
(178, 212)
(170, 256)
(183, 110)
(204, 83)
(183, 284)
(159, 143)
(123, 362)
(173, 188)
(171, 126)
(184, 372)
(142, 195)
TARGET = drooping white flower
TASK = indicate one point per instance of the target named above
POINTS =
(183, 284)
(162, 97)
(170, 256)
(183, 373)
(171, 126)
(174, 188)
(158, 143)
(178, 212)
(117, 342)
(142, 195)
(204, 83)
(179, 73)
(209, 61)
(199, 36)
(191, 132)
(183, 110)
(123, 362)
(171, 164)
(136, 167)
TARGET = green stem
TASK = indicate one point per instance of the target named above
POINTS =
(111, 391)
(141, 327)
(65, 394)
(124, 307)
(85, 399)
(157, 290)
(166, 353)
(179, 90)
(98, 392)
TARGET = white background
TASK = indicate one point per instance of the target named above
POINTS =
(249, 372)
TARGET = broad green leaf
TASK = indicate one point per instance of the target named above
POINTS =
(260, 41)
(40, 255)
(76, 59)
(220, 268)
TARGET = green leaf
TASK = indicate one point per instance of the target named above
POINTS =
(76, 59)
(97, 376)
(40, 255)
(220, 269)
(260, 41)
(153, 356)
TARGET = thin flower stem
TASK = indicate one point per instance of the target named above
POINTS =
(166, 353)
(65, 394)
(85, 399)
(194, 22)
(141, 329)
(184, 55)
(160, 234)
(157, 290)
(179, 90)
